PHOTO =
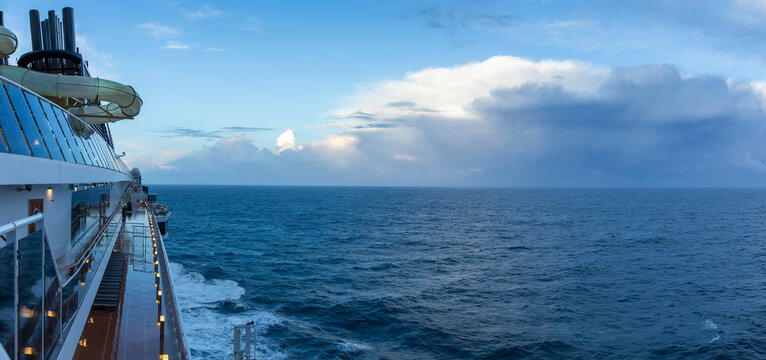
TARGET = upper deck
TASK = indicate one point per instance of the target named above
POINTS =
(33, 126)
(140, 322)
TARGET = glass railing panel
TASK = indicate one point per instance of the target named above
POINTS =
(28, 125)
(44, 126)
(88, 215)
(63, 129)
(52, 310)
(6, 297)
(30, 300)
(10, 127)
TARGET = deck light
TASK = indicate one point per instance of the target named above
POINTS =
(159, 292)
(29, 350)
(162, 318)
(50, 194)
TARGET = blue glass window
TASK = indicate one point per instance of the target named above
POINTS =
(27, 123)
(108, 155)
(10, 127)
(62, 139)
(64, 128)
(65, 121)
(44, 126)
(93, 152)
(97, 140)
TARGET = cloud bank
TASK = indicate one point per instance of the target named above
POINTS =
(509, 121)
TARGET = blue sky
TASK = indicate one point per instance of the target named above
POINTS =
(501, 93)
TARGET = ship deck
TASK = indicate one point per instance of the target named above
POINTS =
(131, 329)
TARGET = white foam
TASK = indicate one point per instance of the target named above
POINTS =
(710, 325)
(349, 347)
(715, 338)
(209, 332)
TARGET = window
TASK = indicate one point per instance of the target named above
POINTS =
(28, 126)
(79, 141)
(62, 139)
(64, 128)
(10, 127)
(44, 126)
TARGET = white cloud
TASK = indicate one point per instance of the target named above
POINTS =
(175, 45)
(102, 64)
(449, 92)
(286, 141)
(512, 121)
(212, 50)
(254, 25)
(159, 31)
(206, 12)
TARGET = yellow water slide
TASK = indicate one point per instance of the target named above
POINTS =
(124, 101)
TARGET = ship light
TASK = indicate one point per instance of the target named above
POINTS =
(164, 357)
(51, 314)
(29, 350)
(158, 274)
(159, 292)
(27, 313)
(83, 342)
(50, 194)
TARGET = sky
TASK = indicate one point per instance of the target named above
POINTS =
(433, 93)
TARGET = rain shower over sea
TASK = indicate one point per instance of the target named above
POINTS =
(470, 273)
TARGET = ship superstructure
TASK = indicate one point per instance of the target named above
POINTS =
(83, 268)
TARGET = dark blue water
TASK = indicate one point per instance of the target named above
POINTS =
(398, 273)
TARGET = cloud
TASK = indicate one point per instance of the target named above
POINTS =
(205, 12)
(194, 133)
(212, 50)
(245, 128)
(219, 133)
(450, 18)
(286, 141)
(159, 31)
(175, 45)
(254, 25)
(509, 121)
(104, 65)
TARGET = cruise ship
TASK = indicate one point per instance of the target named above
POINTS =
(83, 267)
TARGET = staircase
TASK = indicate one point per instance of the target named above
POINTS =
(108, 295)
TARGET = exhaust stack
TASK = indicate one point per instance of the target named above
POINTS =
(34, 27)
(69, 38)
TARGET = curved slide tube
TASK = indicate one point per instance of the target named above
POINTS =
(124, 101)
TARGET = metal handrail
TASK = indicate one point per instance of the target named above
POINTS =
(93, 242)
(170, 291)
(20, 223)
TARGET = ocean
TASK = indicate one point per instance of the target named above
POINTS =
(470, 273)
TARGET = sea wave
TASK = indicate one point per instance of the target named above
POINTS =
(208, 329)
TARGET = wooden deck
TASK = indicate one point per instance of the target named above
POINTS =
(131, 331)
